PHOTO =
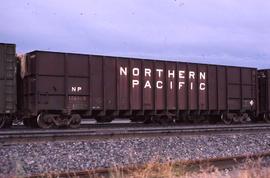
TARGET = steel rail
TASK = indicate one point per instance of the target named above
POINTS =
(14, 136)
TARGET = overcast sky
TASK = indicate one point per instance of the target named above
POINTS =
(230, 32)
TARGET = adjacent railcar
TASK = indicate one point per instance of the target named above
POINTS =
(60, 88)
(8, 88)
(264, 93)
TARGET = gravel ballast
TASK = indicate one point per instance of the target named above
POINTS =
(36, 158)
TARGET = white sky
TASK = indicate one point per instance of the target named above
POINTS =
(231, 32)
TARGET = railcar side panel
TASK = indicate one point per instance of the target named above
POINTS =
(51, 82)
(182, 86)
(136, 86)
(222, 88)
(50, 93)
(123, 84)
(212, 87)
(77, 81)
(264, 91)
(148, 84)
(268, 89)
(192, 87)
(77, 65)
(92, 84)
(49, 63)
(248, 88)
(160, 95)
(263, 97)
(171, 85)
(109, 83)
(234, 88)
(8, 84)
(202, 87)
(96, 84)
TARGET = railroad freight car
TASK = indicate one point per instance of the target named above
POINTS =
(60, 88)
(264, 94)
(8, 89)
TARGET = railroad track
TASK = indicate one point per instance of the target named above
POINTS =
(30, 135)
(222, 163)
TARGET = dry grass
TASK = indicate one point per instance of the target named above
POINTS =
(250, 169)
(154, 169)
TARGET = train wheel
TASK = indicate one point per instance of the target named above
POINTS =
(75, 121)
(2, 121)
(227, 118)
(245, 118)
(44, 121)
(266, 117)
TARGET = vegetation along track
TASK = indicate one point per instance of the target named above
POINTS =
(26, 135)
(221, 163)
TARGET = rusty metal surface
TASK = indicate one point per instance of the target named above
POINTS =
(8, 91)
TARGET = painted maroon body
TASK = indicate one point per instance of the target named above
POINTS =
(102, 85)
